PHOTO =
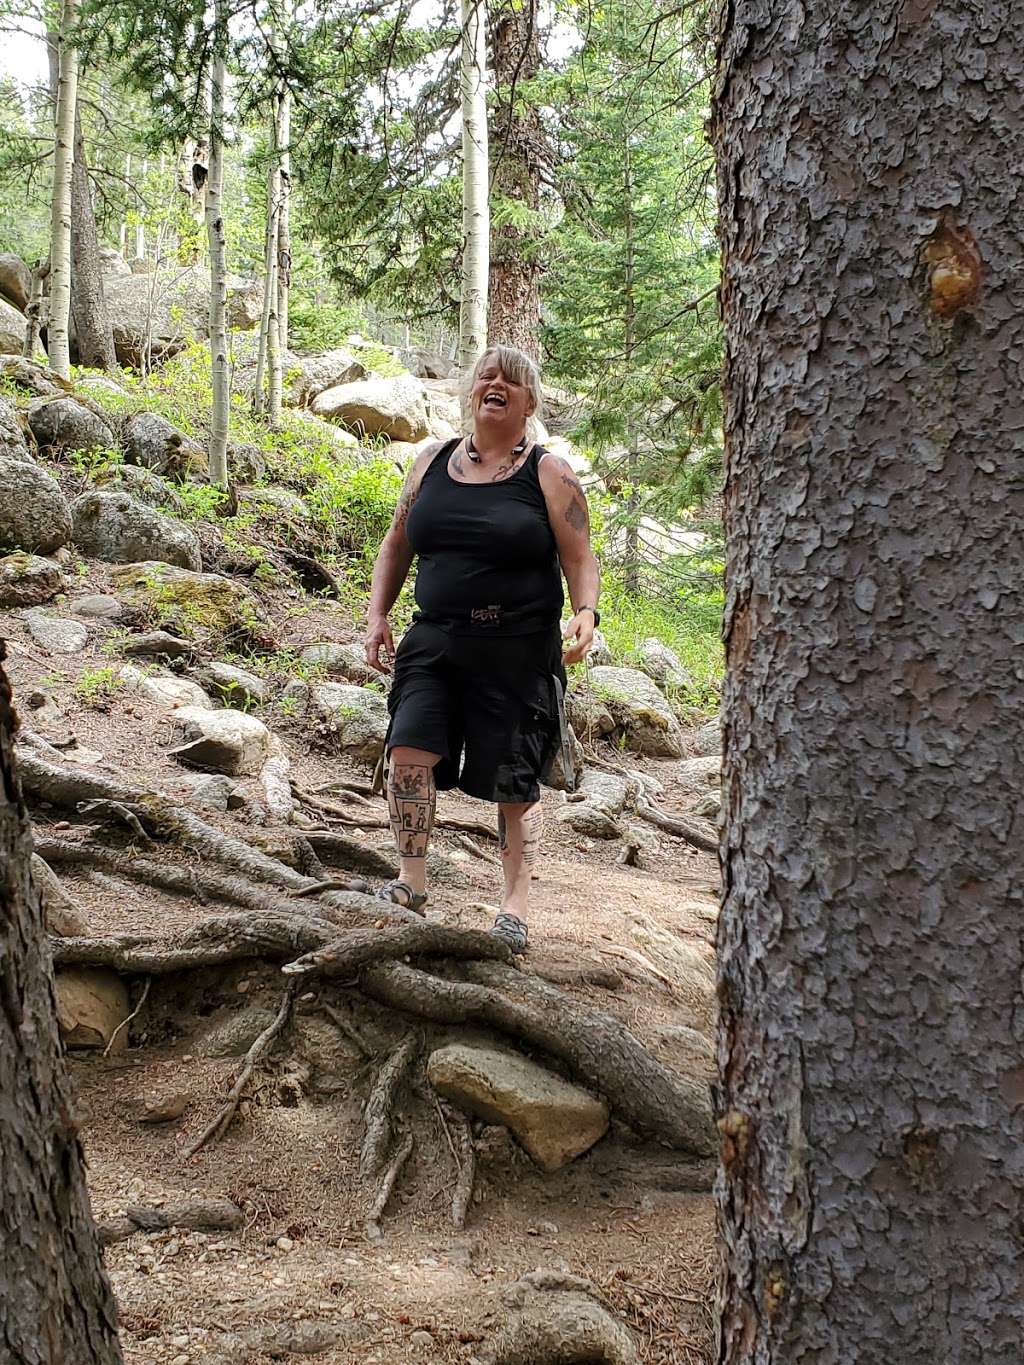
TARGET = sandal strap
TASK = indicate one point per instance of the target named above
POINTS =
(415, 900)
(513, 930)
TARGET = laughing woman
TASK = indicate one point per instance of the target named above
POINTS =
(495, 521)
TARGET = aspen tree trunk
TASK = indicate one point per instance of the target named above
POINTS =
(284, 232)
(275, 345)
(94, 339)
(517, 141)
(218, 259)
(57, 1305)
(631, 575)
(475, 215)
(140, 227)
(58, 326)
(260, 398)
(123, 236)
(871, 1045)
(34, 310)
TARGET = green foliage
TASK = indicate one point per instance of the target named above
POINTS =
(95, 464)
(321, 326)
(198, 501)
(97, 686)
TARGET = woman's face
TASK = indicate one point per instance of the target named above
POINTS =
(494, 398)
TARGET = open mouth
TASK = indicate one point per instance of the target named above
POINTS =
(494, 400)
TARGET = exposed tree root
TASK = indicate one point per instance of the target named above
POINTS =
(278, 937)
(220, 1124)
(598, 1048)
(374, 1232)
(699, 833)
(462, 1195)
(360, 947)
(63, 785)
(471, 846)
(377, 1116)
(63, 913)
(332, 846)
(309, 863)
(201, 1215)
(348, 1030)
(128, 1019)
(559, 1321)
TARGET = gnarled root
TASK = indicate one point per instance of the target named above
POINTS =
(699, 833)
(374, 1231)
(462, 1195)
(220, 1124)
(596, 1046)
(361, 946)
(201, 1215)
(377, 1116)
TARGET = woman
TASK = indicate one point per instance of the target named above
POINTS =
(495, 520)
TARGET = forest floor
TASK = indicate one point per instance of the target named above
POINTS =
(300, 1276)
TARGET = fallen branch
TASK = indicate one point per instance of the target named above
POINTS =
(200, 1215)
(348, 1030)
(597, 1047)
(374, 1231)
(699, 833)
(362, 946)
(462, 1195)
(380, 1106)
(471, 846)
(220, 1124)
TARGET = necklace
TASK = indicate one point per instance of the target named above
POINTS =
(475, 456)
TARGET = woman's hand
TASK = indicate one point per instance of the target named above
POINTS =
(581, 630)
(380, 644)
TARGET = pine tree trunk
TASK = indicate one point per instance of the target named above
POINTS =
(57, 1304)
(517, 141)
(218, 261)
(58, 326)
(631, 565)
(475, 214)
(94, 339)
(871, 1042)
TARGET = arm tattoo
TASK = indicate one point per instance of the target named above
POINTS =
(405, 503)
(573, 482)
(576, 514)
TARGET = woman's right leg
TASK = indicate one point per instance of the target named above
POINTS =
(412, 798)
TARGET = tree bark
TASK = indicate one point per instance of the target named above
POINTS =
(268, 319)
(220, 373)
(58, 324)
(517, 140)
(94, 339)
(869, 171)
(284, 231)
(57, 1304)
(475, 210)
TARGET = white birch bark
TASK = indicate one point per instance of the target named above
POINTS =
(284, 236)
(218, 265)
(475, 209)
(140, 227)
(260, 401)
(275, 341)
(57, 337)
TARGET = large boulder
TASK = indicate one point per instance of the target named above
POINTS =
(12, 329)
(112, 263)
(554, 1120)
(12, 439)
(602, 798)
(160, 312)
(707, 740)
(164, 688)
(31, 376)
(346, 661)
(317, 373)
(663, 665)
(378, 407)
(15, 280)
(231, 1033)
(204, 606)
(92, 1003)
(426, 364)
(640, 710)
(151, 441)
(115, 528)
(144, 486)
(27, 580)
(62, 424)
(356, 716)
(227, 741)
(55, 634)
(34, 514)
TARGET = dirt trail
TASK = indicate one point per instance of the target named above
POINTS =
(300, 1276)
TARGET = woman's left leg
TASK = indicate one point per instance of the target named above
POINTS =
(519, 829)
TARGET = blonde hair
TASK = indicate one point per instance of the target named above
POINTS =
(516, 366)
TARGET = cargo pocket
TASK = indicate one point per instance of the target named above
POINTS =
(533, 746)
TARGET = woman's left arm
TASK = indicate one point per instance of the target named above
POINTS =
(570, 521)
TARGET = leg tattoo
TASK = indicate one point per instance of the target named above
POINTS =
(411, 803)
(519, 831)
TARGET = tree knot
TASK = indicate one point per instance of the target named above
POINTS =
(954, 263)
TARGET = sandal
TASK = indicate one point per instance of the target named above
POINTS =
(512, 930)
(406, 896)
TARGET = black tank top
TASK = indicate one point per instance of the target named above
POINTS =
(488, 562)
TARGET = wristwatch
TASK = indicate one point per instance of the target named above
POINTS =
(597, 614)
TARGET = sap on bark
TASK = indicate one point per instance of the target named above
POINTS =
(954, 262)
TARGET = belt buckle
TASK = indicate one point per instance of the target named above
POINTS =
(486, 616)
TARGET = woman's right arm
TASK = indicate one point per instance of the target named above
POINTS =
(394, 559)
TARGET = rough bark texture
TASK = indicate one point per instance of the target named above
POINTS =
(55, 1302)
(517, 141)
(870, 164)
(475, 211)
(94, 339)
